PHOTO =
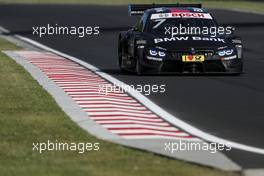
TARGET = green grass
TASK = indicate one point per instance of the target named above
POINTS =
(237, 4)
(28, 114)
(4, 45)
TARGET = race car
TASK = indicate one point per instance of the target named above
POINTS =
(154, 46)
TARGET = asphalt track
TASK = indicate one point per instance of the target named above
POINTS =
(229, 107)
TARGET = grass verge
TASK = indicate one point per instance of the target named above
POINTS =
(248, 5)
(28, 114)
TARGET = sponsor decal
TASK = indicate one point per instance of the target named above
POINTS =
(159, 10)
(193, 58)
(140, 42)
(159, 40)
(136, 12)
(197, 10)
(181, 15)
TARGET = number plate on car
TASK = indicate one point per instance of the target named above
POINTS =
(193, 58)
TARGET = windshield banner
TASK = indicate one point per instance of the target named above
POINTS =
(180, 15)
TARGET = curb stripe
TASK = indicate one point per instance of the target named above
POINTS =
(115, 110)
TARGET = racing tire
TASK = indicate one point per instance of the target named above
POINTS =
(120, 55)
(139, 68)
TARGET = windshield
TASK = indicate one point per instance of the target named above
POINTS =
(159, 26)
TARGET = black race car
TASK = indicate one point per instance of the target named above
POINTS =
(156, 44)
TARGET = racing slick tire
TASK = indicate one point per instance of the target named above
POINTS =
(139, 68)
(120, 58)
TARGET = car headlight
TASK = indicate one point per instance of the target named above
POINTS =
(221, 53)
(157, 53)
(153, 52)
(227, 52)
(162, 54)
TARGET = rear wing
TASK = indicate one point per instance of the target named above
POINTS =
(138, 9)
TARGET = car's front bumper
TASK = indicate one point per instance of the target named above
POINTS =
(216, 65)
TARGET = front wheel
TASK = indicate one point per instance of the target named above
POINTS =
(120, 58)
(139, 68)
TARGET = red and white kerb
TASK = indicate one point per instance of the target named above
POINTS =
(118, 112)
